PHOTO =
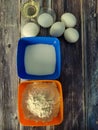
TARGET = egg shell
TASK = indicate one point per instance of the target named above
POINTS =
(57, 29)
(30, 29)
(71, 35)
(45, 20)
(69, 19)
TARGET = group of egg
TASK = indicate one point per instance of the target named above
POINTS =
(68, 21)
(57, 29)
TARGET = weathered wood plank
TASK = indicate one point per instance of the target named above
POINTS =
(8, 77)
(71, 75)
(91, 65)
(73, 61)
(71, 68)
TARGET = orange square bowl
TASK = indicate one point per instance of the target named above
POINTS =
(28, 122)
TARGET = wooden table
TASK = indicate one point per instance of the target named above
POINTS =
(79, 75)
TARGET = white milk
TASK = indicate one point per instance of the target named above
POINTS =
(40, 59)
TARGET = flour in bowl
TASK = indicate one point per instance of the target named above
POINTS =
(41, 101)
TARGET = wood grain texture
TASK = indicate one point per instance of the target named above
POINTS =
(71, 75)
(79, 74)
(91, 65)
(8, 77)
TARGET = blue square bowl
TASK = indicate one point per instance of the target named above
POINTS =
(23, 43)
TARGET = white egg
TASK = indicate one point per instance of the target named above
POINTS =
(71, 35)
(69, 19)
(30, 29)
(45, 20)
(57, 29)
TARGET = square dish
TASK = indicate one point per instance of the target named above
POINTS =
(26, 121)
(38, 58)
